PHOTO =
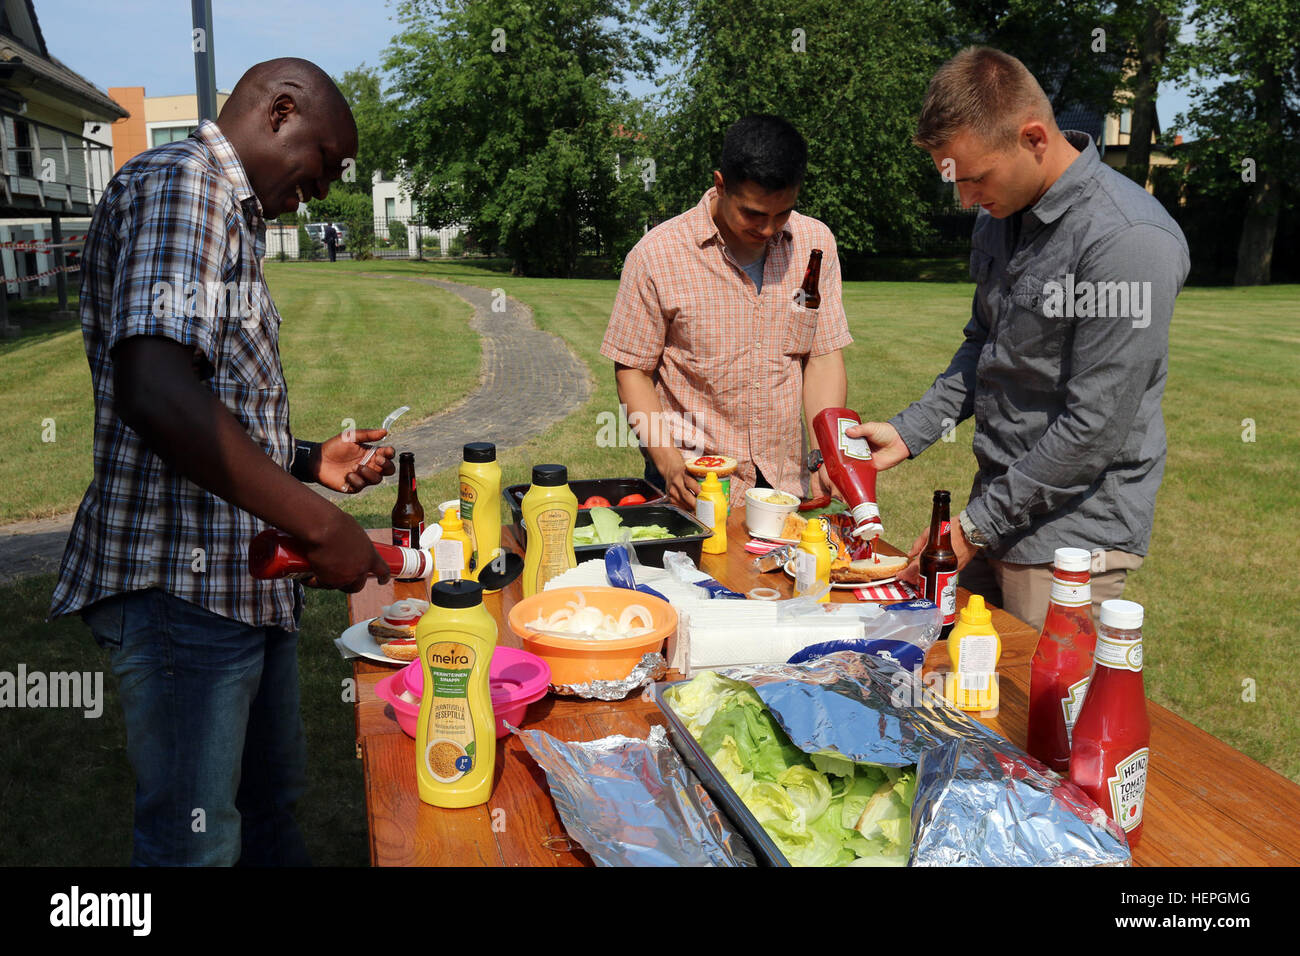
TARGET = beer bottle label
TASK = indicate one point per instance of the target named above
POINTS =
(402, 537)
(1128, 788)
(941, 588)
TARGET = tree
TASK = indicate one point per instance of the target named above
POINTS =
(1155, 26)
(1247, 125)
(376, 118)
(511, 124)
(849, 74)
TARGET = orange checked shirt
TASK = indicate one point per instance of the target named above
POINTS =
(727, 362)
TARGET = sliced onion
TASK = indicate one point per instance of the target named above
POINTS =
(639, 611)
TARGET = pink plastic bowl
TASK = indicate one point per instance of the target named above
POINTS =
(517, 679)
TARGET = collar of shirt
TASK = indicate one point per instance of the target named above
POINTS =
(704, 229)
(210, 135)
(1070, 185)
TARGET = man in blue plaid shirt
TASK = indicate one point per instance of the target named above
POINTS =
(194, 456)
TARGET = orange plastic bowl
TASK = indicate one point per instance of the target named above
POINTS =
(577, 661)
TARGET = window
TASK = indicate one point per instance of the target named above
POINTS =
(1126, 122)
(170, 134)
(390, 208)
(23, 148)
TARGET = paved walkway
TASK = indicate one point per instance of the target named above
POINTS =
(528, 381)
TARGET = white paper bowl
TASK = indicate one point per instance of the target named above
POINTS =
(763, 518)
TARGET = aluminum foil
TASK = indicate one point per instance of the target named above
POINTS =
(979, 801)
(632, 802)
(650, 668)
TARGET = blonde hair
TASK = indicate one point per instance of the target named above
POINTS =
(985, 91)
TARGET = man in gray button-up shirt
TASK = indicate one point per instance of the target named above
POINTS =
(1067, 348)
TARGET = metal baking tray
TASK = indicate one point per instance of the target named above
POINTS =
(765, 851)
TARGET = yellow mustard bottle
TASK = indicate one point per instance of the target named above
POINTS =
(974, 648)
(455, 737)
(453, 533)
(814, 542)
(480, 503)
(550, 511)
(711, 509)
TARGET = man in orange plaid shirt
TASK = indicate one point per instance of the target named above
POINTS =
(712, 352)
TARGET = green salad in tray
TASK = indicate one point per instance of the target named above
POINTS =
(607, 528)
(819, 809)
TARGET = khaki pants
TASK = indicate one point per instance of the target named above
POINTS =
(1022, 590)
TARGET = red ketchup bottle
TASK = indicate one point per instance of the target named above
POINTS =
(1112, 738)
(1062, 664)
(274, 554)
(848, 461)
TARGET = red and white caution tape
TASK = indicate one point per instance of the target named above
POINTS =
(46, 274)
(43, 245)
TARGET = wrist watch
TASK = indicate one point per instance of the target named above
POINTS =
(814, 461)
(972, 534)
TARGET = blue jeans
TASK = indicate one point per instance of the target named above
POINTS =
(213, 731)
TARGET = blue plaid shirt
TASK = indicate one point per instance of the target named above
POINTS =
(175, 250)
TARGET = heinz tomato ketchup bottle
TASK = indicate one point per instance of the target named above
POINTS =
(1063, 661)
(1112, 738)
(848, 462)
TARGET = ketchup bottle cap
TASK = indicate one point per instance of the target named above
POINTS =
(1122, 615)
(1073, 559)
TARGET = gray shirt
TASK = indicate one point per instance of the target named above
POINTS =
(755, 272)
(1063, 366)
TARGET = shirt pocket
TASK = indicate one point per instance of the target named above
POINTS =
(1026, 331)
(252, 345)
(800, 330)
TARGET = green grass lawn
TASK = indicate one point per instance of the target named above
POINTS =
(343, 340)
(1217, 586)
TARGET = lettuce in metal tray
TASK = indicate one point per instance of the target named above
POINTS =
(820, 809)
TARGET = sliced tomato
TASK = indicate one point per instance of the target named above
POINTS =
(632, 500)
(596, 501)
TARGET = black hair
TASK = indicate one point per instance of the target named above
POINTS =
(766, 150)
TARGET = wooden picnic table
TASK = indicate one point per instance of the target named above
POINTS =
(1206, 803)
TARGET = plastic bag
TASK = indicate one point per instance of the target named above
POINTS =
(902, 633)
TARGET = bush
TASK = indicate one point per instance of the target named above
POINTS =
(308, 248)
(361, 235)
(397, 232)
(457, 245)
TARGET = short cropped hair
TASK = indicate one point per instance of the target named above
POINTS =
(766, 150)
(985, 91)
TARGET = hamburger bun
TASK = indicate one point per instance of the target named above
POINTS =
(865, 570)
(394, 629)
(720, 465)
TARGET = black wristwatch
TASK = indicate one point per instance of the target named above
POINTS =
(814, 461)
(302, 453)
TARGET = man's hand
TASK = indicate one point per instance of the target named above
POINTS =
(339, 467)
(960, 546)
(820, 484)
(887, 447)
(679, 485)
(343, 556)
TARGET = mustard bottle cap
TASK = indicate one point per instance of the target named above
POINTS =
(975, 612)
(814, 531)
(711, 483)
(451, 520)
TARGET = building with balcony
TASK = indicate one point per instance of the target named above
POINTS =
(52, 173)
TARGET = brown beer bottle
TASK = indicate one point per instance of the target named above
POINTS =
(939, 562)
(408, 525)
(808, 296)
